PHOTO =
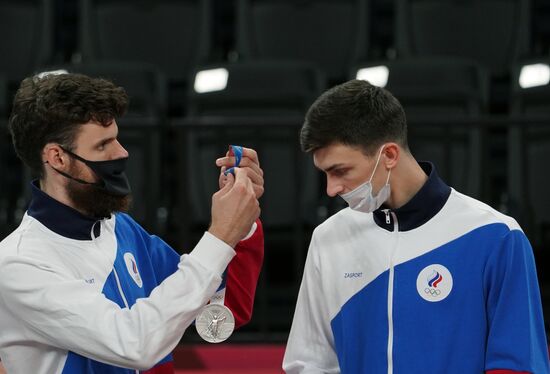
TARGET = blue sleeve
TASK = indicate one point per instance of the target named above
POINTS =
(516, 338)
(164, 259)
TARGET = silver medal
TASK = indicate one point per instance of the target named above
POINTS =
(215, 323)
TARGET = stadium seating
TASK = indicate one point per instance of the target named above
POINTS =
(27, 36)
(330, 33)
(172, 35)
(495, 33)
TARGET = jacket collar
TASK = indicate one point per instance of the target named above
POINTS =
(427, 202)
(60, 218)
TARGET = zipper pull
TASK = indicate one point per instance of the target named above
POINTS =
(387, 211)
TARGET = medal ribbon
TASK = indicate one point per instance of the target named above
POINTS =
(237, 151)
(216, 322)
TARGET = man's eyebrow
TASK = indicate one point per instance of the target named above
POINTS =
(332, 167)
(104, 141)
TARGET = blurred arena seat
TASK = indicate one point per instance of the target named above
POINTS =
(330, 33)
(172, 35)
(26, 40)
(495, 33)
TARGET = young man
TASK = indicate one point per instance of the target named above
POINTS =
(83, 288)
(413, 277)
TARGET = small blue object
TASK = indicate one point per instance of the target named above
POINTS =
(237, 151)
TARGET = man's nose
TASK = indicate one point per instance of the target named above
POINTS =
(121, 152)
(333, 187)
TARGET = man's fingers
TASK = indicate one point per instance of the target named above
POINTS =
(255, 167)
(241, 176)
(258, 190)
(242, 179)
(246, 152)
(227, 162)
(249, 157)
(227, 183)
(250, 174)
(251, 154)
(255, 177)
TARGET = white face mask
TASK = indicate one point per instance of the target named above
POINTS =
(361, 199)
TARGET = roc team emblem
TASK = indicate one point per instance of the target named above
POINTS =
(133, 270)
(434, 283)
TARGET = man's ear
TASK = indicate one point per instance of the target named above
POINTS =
(391, 155)
(55, 156)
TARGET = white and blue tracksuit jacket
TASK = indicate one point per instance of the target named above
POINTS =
(443, 285)
(78, 295)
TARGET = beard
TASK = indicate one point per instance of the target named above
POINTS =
(94, 201)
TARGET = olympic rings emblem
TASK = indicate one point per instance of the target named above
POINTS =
(432, 291)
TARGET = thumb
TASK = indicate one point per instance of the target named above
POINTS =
(240, 175)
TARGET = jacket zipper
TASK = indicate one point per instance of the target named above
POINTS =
(390, 289)
(121, 294)
(119, 285)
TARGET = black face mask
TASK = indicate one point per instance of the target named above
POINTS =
(110, 172)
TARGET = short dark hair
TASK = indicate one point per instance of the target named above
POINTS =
(51, 109)
(355, 113)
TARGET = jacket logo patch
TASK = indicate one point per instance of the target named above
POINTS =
(133, 270)
(434, 283)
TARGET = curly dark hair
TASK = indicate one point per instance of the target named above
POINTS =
(51, 109)
(357, 114)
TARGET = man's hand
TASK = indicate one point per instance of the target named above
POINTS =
(250, 163)
(235, 207)
(2, 370)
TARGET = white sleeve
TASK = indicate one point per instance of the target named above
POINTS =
(310, 347)
(60, 311)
